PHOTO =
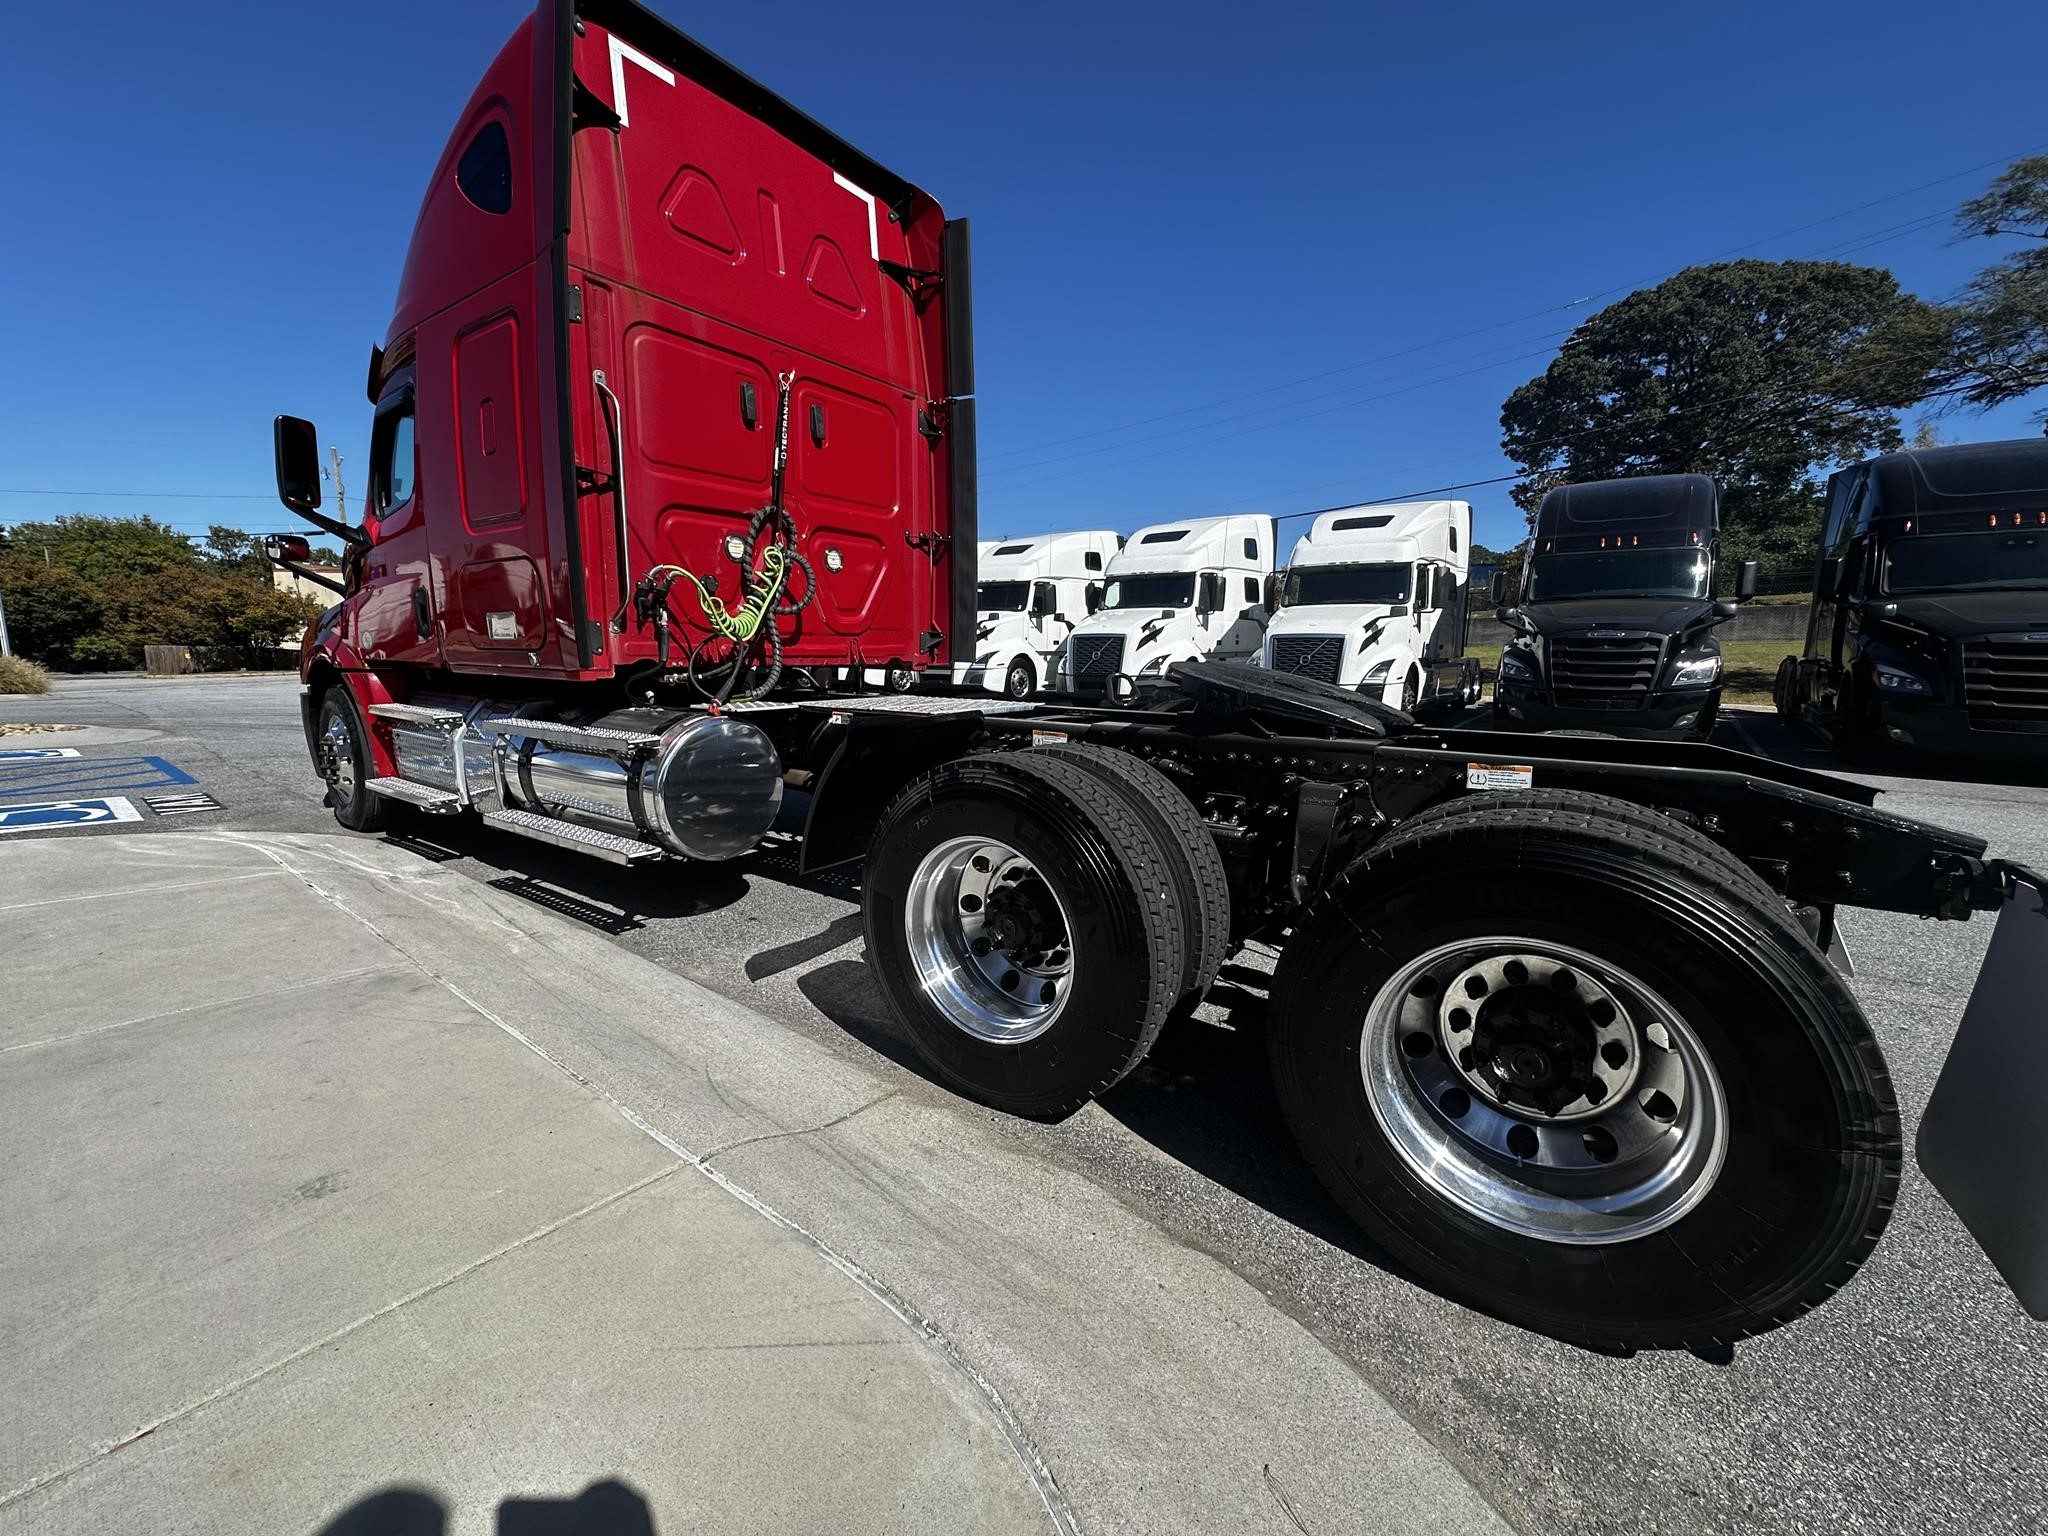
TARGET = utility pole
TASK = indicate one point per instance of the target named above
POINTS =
(340, 495)
(6, 645)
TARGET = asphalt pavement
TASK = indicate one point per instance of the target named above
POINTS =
(1910, 1402)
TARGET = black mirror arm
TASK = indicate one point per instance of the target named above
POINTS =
(346, 532)
(314, 577)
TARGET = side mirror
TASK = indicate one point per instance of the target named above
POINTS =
(1500, 589)
(1725, 610)
(298, 463)
(1094, 596)
(1210, 598)
(1059, 618)
(288, 547)
(1829, 582)
(1745, 581)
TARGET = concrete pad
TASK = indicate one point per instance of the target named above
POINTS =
(275, 1244)
(157, 935)
(189, 1199)
(670, 1338)
(1164, 1392)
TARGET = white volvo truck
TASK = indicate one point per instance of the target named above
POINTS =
(1187, 591)
(1033, 593)
(1374, 599)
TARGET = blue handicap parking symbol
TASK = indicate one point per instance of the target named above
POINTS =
(44, 815)
(50, 778)
(35, 754)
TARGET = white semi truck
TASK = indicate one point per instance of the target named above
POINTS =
(1374, 599)
(1032, 594)
(1187, 591)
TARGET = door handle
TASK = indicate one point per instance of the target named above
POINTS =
(614, 431)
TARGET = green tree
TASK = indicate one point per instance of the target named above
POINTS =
(233, 552)
(104, 548)
(50, 610)
(1758, 373)
(2001, 332)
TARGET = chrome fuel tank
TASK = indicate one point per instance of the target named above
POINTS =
(709, 788)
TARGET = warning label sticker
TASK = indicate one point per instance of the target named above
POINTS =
(1499, 776)
(1047, 738)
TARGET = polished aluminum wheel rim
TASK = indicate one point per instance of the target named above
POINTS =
(338, 747)
(989, 940)
(1543, 1090)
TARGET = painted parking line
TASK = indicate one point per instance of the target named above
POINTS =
(63, 815)
(185, 804)
(55, 779)
(35, 754)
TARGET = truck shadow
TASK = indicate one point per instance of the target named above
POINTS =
(607, 1508)
(1202, 1096)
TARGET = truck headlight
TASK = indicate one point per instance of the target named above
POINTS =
(1379, 672)
(1517, 665)
(1153, 667)
(1892, 680)
(1696, 671)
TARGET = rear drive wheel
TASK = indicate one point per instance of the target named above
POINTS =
(1202, 889)
(1024, 926)
(1581, 1076)
(344, 760)
(1020, 680)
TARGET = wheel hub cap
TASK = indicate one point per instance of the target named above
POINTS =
(1543, 1090)
(989, 940)
(1536, 1037)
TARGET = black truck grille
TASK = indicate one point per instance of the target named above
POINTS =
(1097, 655)
(1317, 656)
(1605, 674)
(2005, 684)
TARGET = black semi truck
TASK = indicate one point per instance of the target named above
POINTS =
(1929, 624)
(1614, 629)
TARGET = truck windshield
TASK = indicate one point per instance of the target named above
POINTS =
(1681, 572)
(1172, 590)
(1956, 562)
(1002, 596)
(1311, 584)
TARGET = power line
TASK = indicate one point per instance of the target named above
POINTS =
(9, 490)
(1291, 406)
(1860, 242)
(1518, 319)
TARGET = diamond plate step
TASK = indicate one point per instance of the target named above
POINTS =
(914, 704)
(574, 738)
(568, 834)
(418, 714)
(428, 797)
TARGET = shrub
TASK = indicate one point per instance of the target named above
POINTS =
(20, 675)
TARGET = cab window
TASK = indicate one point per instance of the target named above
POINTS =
(391, 457)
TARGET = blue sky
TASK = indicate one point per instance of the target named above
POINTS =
(1228, 258)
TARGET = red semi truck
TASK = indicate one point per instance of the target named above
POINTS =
(673, 449)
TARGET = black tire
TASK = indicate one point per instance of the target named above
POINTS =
(1579, 802)
(1202, 889)
(1409, 693)
(1784, 689)
(344, 749)
(1104, 865)
(1812, 1151)
(1020, 681)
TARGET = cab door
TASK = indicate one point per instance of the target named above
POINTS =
(395, 616)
